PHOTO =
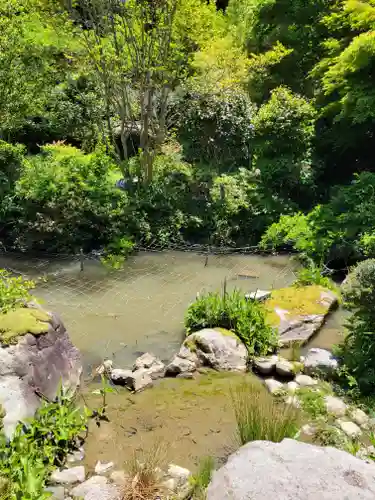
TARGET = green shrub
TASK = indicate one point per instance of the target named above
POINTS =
(11, 158)
(37, 447)
(234, 312)
(14, 292)
(117, 252)
(312, 275)
(261, 417)
(66, 201)
(312, 402)
(217, 128)
(357, 352)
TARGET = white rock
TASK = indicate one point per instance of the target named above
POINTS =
(97, 488)
(105, 367)
(308, 430)
(359, 417)
(153, 365)
(103, 468)
(273, 385)
(170, 484)
(76, 456)
(335, 406)
(135, 381)
(69, 476)
(180, 474)
(259, 295)
(305, 381)
(292, 387)
(285, 368)
(265, 366)
(319, 361)
(119, 477)
(58, 492)
(350, 428)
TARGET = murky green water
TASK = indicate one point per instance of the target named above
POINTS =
(120, 314)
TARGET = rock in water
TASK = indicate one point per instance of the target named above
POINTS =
(36, 364)
(135, 381)
(97, 488)
(219, 350)
(185, 361)
(151, 364)
(319, 361)
(292, 470)
(69, 476)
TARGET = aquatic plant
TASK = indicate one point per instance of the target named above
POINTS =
(233, 312)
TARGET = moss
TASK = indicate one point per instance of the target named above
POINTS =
(226, 333)
(190, 344)
(14, 324)
(298, 301)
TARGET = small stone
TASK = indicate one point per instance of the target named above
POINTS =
(119, 477)
(350, 428)
(292, 387)
(359, 417)
(336, 406)
(305, 381)
(273, 385)
(135, 381)
(308, 430)
(170, 484)
(58, 492)
(259, 295)
(69, 476)
(76, 456)
(285, 368)
(319, 361)
(180, 365)
(97, 488)
(103, 468)
(187, 375)
(265, 366)
(151, 364)
(105, 367)
(180, 474)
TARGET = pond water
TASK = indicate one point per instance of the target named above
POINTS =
(121, 314)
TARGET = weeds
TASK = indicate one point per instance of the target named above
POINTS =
(295, 351)
(201, 479)
(144, 470)
(260, 417)
(312, 402)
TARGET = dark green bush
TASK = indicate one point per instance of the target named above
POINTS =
(217, 129)
(234, 312)
(66, 200)
(357, 353)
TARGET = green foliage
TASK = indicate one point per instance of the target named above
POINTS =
(284, 129)
(202, 477)
(234, 312)
(260, 417)
(66, 201)
(328, 435)
(312, 402)
(313, 275)
(38, 446)
(117, 252)
(358, 349)
(14, 291)
(217, 128)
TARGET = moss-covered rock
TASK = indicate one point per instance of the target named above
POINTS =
(299, 311)
(21, 321)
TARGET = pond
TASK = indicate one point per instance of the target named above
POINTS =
(121, 314)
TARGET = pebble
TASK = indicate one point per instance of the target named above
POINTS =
(336, 406)
(305, 381)
(103, 468)
(69, 476)
(75, 456)
(350, 428)
(273, 385)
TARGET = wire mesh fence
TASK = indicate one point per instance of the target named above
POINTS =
(120, 314)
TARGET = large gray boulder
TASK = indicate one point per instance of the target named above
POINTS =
(35, 364)
(218, 349)
(292, 470)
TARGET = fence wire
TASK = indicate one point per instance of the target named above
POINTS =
(121, 314)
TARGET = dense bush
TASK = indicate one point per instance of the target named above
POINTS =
(234, 312)
(65, 201)
(217, 128)
(338, 230)
(357, 353)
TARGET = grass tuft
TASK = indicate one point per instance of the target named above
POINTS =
(144, 469)
(260, 417)
(201, 479)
